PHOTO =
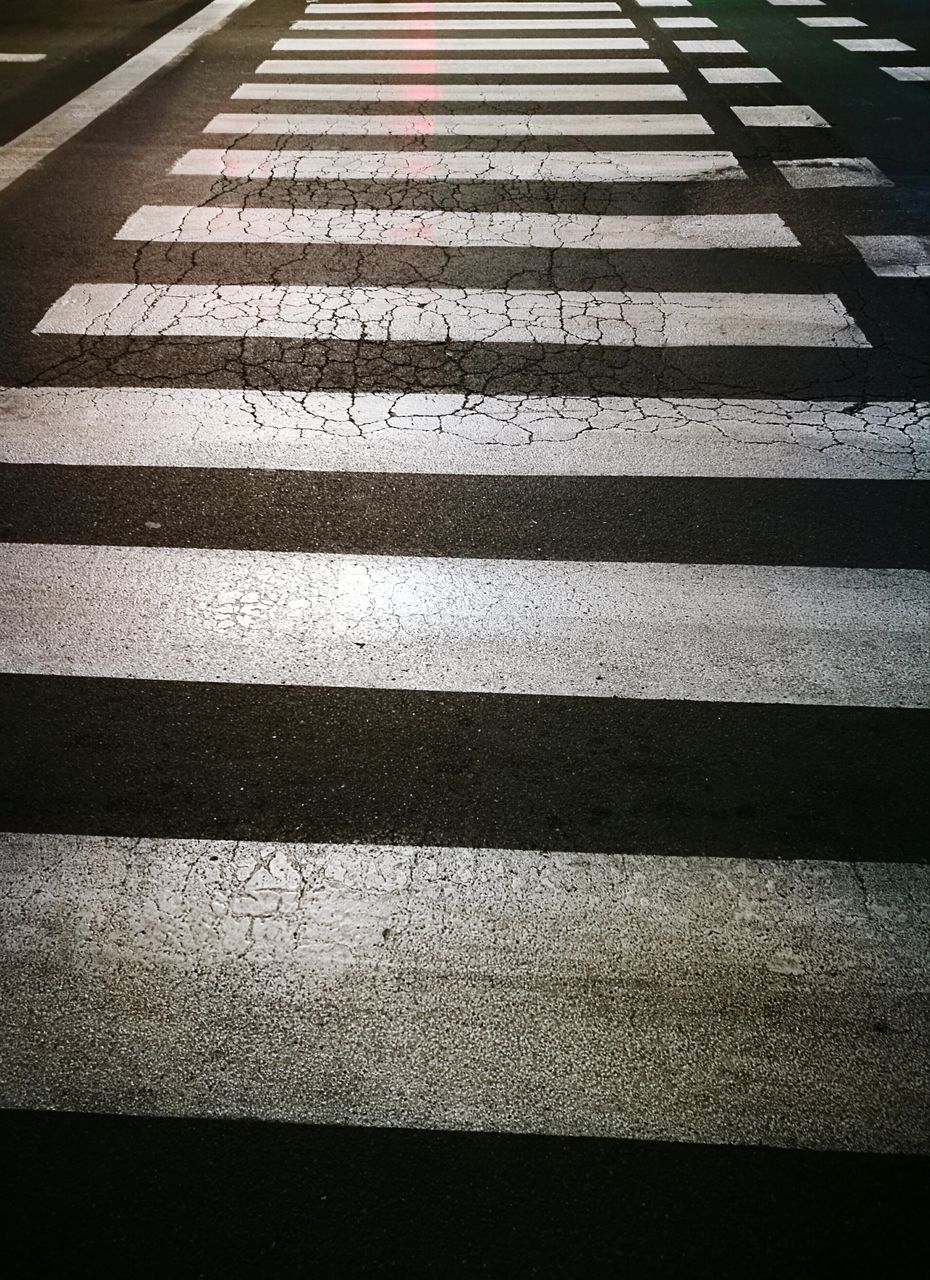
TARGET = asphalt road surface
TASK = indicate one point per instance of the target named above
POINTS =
(464, 635)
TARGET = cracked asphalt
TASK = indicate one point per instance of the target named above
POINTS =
(465, 633)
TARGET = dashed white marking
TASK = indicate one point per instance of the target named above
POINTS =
(468, 6)
(456, 45)
(30, 148)
(908, 73)
(426, 126)
(832, 22)
(570, 317)
(459, 434)
(434, 92)
(833, 171)
(905, 257)
(31, 57)
(707, 632)
(664, 4)
(464, 166)
(466, 24)
(788, 117)
(468, 988)
(709, 46)
(875, 46)
(461, 66)
(739, 75)
(675, 24)
(799, 4)
(465, 230)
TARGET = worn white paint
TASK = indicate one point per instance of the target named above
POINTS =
(457, 434)
(454, 44)
(739, 75)
(469, 6)
(832, 22)
(427, 23)
(681, 24)
(875, 46)
(490, 989)
(784, 117)
(903, 257)
(433, 92)
(731, 633)
(448, 228)
(625, 124)
(35, 144)
(32, 57)
(908, 73)
(465, 166)
(833, 171)
(461, 66)
(709, 46)
(572, 317)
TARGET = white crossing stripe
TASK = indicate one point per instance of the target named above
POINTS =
(571, 317)
(455, 45)
(664, 4)
(34, 57)
(489, 126)
(787, 117)
(679, 24)
(908, 73)
(36, 143)
(435, 92)
(452, 433)
(451, 229)
(833, 171)
(777, 965)
(739, 75)
(471, 6)
(875, 46)
(709, 46)
(799, 4)
(461, 66)
(464, 166)
(907, 257)
(730, 633)
(832, 22)
(467, 24)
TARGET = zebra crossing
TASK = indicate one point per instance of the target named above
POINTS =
(468, 636)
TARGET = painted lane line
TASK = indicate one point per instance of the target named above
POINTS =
(169, 223)
(709, 46)
(466, 7)
(464, 166)
(35, 144)
(33, 57)
(433, 92)
(739, 75)
(832, 171)
(571, 317)
(832, 22)
(461, 66)
(902, 257)
(680, 24)
(426, 126)
(466, 24)
(664, 4)
(875, 46)
(789, 117)
(395, 944)
(728, 633)
(908, 73)
(457, 45)
(797, 4)
(449, 433)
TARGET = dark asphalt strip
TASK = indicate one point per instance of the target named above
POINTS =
(849, 523)
(185, 1197)
(487, 368)
(145, 758)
